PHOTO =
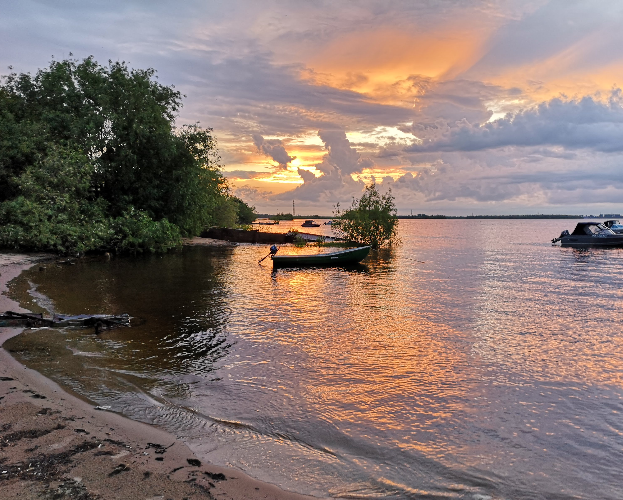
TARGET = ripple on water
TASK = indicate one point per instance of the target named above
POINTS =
(473, 361)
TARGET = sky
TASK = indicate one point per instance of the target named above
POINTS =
(457, 106)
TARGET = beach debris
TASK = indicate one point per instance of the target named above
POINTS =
(119, 469)
(70, 489)
(104, 453)
(45, 467)
(159, 449)
(194, 462)
(13, 437)
(34, 394)
(216, 476)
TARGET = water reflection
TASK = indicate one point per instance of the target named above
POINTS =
(473, 361)
(179, 310)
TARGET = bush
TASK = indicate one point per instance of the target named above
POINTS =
(135, 232)
(371, 220)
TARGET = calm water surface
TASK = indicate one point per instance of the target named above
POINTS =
(474, 361)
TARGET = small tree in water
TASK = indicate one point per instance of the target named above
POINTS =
(371, 220)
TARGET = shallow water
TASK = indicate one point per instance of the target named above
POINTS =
(473, 361)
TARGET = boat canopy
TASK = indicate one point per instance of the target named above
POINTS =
(589, 228)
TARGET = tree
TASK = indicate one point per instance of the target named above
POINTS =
(371, 220)
(110, 133)
(246, 213)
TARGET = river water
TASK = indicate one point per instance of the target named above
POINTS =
(473, 361)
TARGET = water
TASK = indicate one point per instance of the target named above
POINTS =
(474, 361)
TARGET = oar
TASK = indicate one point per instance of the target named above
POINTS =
(263, 258)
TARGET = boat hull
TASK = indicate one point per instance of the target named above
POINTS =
(342, 258)
(580, 241)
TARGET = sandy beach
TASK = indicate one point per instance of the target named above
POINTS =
(54, 445)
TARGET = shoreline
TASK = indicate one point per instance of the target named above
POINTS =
(55, 445)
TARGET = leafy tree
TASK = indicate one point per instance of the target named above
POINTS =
(85, 147)
(226, 213)
(57, 211)
(246, 213)
(371, 220)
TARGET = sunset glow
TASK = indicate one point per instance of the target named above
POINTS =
(511, 98)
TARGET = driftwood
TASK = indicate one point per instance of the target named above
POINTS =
(32, 320)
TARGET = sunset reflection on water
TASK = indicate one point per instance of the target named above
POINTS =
(473, 359)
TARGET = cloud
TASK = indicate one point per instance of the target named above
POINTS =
(273, 148)
(251, 195)
(557, 38)
(587, 123)
(335, 184)
(341, 155)
(289, 69)
(243, 174)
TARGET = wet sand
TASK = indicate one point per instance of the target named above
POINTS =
(54, 445)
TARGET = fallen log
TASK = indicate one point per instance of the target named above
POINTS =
(32, 320)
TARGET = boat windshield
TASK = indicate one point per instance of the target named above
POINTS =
(598, 230)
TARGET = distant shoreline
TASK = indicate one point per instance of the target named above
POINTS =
(425, 216)
(560, 216)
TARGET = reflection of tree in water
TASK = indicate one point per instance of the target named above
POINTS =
(179, 302)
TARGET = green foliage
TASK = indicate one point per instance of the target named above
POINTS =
(281, 216)
(55, 210)
(299, 241)
(226, 213)
(246, 213)
(90, 159)
(135, 232)
(371, 220)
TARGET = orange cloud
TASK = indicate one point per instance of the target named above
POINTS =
(363, 61)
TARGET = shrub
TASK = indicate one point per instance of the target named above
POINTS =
(371, 220)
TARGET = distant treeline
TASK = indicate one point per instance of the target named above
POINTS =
(425, 216)
(541, 216)
(281, 216)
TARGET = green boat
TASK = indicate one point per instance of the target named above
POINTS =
(341, 258)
